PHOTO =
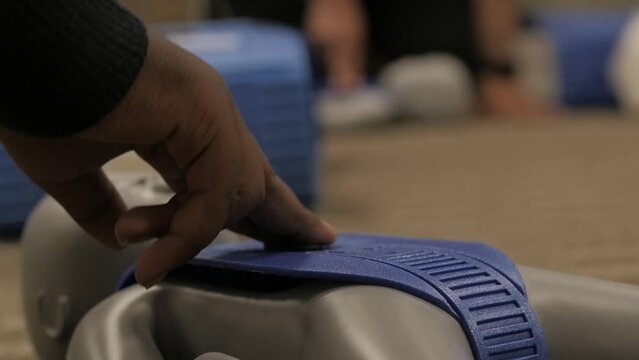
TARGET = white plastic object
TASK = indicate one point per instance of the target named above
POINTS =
(624, 68)
(430, 87)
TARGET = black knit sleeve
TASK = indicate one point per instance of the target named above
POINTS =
(65, 64)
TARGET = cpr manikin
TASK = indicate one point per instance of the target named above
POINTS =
(216, 313)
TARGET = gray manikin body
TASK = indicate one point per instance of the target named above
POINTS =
(66, 274)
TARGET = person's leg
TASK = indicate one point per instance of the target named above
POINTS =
(288, 12)
(408, 27)
(331, 58)
(338, 30)
(479, 33)
(423, 51)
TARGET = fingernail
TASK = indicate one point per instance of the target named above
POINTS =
(122, 243)
(154, 281)
(330, 228)
(112, 244)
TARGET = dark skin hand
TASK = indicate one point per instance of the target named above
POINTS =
(181, 119)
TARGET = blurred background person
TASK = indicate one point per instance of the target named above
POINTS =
(468, 45)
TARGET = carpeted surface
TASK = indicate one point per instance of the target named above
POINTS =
(560, 195)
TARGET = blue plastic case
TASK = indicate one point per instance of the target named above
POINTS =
(18, 195)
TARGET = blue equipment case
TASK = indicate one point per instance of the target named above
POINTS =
(18, 195)
(267, 69)
(583, 41)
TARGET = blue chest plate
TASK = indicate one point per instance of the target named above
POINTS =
(476, 284)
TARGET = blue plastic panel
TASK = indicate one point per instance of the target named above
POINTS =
(476, 284)
(267, 69)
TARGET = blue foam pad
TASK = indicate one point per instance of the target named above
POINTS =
(18, 195)
(267, 69)
(476, 284)
(584, 41)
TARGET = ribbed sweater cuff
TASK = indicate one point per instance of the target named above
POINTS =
(65, 64)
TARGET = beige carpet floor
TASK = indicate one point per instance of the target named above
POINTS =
(562, 195)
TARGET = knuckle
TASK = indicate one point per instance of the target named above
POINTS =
(246, 198)
(270, 177)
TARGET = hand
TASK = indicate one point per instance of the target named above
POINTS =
(502, 96)
(180, 118)
(338, 29)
